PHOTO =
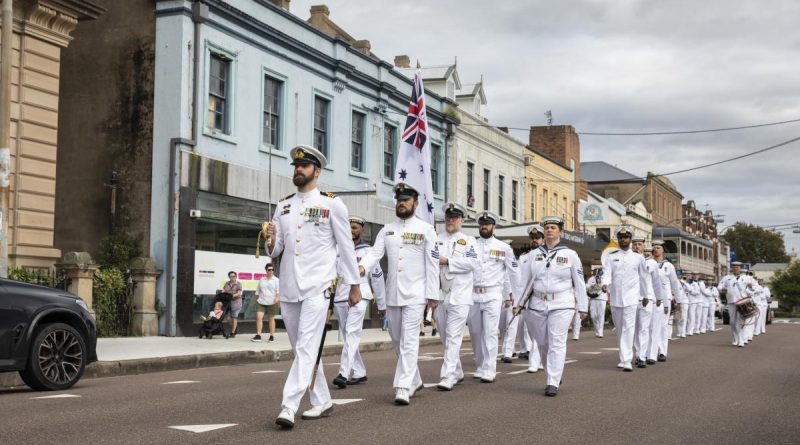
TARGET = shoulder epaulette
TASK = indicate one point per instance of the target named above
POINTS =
(328, 194)
(287, 197)
(613, 251)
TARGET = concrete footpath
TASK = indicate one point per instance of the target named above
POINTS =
(139, 355)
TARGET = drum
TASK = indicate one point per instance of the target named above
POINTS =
(746, 308)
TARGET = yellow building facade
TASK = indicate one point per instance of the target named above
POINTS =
(550, 189)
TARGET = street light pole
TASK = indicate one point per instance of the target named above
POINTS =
(5, 131)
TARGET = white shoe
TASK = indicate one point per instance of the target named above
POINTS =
(477, 375)
(319, 411)
(621, 365)
(533, 369)
(627, 367)
(401, 396)
(414, 390)
(285, 418)
(445, 385)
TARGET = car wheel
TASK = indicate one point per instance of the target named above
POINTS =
(57, 358)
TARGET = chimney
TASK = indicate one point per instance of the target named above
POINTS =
(362, 46)
(560, 142)
(318, 10)
(402, 61)
(283, 4)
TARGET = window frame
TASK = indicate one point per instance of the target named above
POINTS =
(328, 124)
(395, 147)
(487, 184)
(211, 48)
(278, 148)
(363, 155)
(501, 179)
(437, 184)
(514, 200)
(471, 184)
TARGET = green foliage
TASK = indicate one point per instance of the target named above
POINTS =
(786, 286)
(111, 302)
(117, 250)
(754, 244)
(41, 277)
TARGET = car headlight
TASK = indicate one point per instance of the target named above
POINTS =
(82, 304)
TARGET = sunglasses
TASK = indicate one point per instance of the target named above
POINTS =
(270, 270)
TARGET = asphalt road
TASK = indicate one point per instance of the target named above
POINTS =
(708, 392)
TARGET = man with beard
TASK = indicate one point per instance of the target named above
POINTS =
(528, 348)
(644, 312)
(351, 318)
(498, 277)
(308, 229)
(672, 288)
(459, 263)
(625, 279)
(412, 282)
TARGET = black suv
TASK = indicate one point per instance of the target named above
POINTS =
(46, 334)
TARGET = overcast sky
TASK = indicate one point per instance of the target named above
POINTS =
(625, 66)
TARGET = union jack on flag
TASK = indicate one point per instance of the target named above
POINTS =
(414, 155)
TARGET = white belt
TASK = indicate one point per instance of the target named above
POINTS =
(548, 296)
(487, 289)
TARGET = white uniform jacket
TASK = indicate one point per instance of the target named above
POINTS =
(591, 282)
(655, 290)
(625, 274)
(499, 272)
(557, 277)
(759, 297)
(669, 281)
(413, 273)
(371, 282)
(736, 287)
(695, 297)
(463, 265)
(708, 295)
(309, 227)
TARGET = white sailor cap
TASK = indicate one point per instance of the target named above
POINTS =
(657, 242)
(358, 219)
(639, 238)
(403, 190)
(535, 230)
(453, 209)
(736, 263)
(624, 231)
(306, 154)
(552, 219)
(487, 217)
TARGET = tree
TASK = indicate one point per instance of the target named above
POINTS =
(786, 285)
(754, 244)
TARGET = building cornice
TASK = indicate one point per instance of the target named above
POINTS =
(54, 20)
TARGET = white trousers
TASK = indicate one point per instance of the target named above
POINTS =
(657, 331)
(702, 319)
(304, 323)
(526, 341)
(693, 324)
(549, 329)
(710, 317)
(597, 309)
(483, 331)
(761, 323)
(451, 320)
(683, 321)
(644, 321)
(576, 326)
(508, 331)
(351, 322)
(736, 334)
(404, 329)
(625, 322)
(669, 321)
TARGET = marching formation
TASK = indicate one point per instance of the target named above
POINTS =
(476, 284)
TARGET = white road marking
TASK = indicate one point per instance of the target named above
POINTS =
(429, 385)
(269, 371)
(570, 361)
(610, 349)
(344, 401)
(519, 372)
(180, 382)
(425, 358)
(202, 428)
(57, 396)
(591, 352)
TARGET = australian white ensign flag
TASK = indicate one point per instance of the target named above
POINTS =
(414, 158)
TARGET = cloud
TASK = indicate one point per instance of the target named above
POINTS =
(625, 66)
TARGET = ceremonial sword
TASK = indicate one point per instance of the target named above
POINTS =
(332, 293)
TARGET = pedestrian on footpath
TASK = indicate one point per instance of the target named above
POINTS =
(624, 278)
(234, 288)
(268, 302)
(597, 301)
(412, 282)
(555, 278)
(497, 280)
(306, 233)
(351, 318)
(458, 262)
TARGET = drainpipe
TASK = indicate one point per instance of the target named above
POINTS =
(5, 133)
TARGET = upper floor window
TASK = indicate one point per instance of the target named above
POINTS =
(219, 81)
(321, 120)
(486, 179)
(357, 142)
(389, 143)
(273, 91)
(436, 154)
(501, 185)
(470, 184)
(514, 186)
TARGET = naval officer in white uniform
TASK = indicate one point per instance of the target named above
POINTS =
(308, 228)
(412, 281)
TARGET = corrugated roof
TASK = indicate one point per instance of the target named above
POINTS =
(599, 171)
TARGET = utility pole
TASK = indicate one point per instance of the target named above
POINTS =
(5, 131)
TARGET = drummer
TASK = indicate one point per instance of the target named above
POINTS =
(735, 288)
